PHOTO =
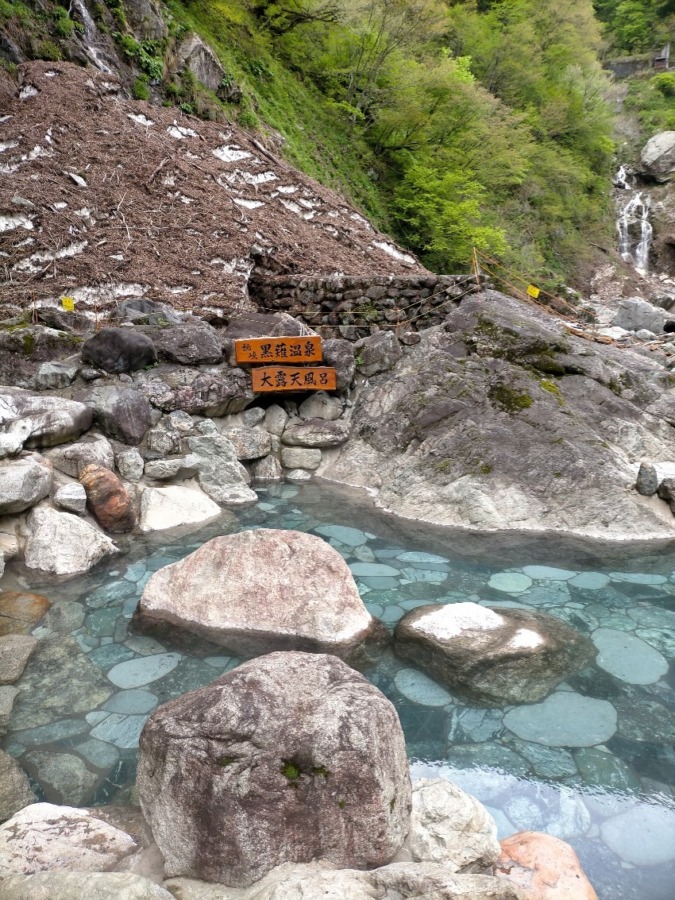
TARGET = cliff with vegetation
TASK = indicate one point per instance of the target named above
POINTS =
(449, 124)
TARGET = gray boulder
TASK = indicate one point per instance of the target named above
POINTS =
(23, 483)
(54, 376)
(43, 837)
(635, 314)
(320, 881)
(290, 757)
(59, 543)
(79, 885)
(188, 345)
(301, 458)
(321, 406)
(219, 472)
(316, 433)
(71, 498)
(249, 443)
(122, 412)
(118, 350)
(647, 479)
(658, 156)
(15, 651)
(267, 470)
(492, 656)
(449, 827)
(198, 58)
(36, 420)
(73, 458)
(205, 394)
(147, 312)
(129, 464)
(377, 353)
(340, 355)
(262, 590)
(15, 789)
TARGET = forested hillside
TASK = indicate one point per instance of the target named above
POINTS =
(451, 124)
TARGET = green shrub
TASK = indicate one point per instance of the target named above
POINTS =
(140, 90)
(665, 83)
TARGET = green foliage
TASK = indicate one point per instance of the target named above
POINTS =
(653, 107)
(140, 89)
(636, 25)
(664, 83)
(147, 54)
(63, 24)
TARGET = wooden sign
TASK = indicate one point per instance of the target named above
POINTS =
(291, 350)
(286, 378)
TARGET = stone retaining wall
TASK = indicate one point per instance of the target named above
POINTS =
(355, 306)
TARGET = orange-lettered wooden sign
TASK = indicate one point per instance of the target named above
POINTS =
(286, 378)
(291, 350)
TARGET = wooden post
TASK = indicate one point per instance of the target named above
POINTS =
(475, 266)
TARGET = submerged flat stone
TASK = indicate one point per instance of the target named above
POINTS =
(548, 573)
(416, 556)
(136, 672)
(122, 731)
(638, 578)
(131, 702)
(419, 688)
(510, 582)
(98, 753)
(565, 719)
(590, 581)
(643, 836)
(350, 537)
(628, 657)
(374, 570)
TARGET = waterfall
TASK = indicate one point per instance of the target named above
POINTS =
(92, 36)
(633, 225)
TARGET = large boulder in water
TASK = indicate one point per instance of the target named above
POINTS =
(492, 656)
(291, 757)
(262, 590)
(658, 156)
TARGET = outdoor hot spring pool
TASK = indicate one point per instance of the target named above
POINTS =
(84, 698)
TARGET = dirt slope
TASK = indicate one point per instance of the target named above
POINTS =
(103, 197)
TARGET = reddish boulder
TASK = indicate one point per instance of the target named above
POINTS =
(108, 499)
(546, 867)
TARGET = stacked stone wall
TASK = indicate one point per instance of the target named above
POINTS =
(353, 307)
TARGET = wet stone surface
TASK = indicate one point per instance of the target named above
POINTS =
(592, 763)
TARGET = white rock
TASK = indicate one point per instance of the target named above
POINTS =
(130, 464)
(449, 827)
(176, 506)
(61, 544)
(43, 837)
(23, 482)
(72, 498)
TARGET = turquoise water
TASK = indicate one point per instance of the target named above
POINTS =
(606, 782)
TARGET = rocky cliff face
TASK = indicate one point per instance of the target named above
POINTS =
(501, 419)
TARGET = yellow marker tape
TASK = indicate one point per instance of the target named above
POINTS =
(68, 303)
(533, 291)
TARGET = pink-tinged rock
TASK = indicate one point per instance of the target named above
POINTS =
(263, 590)
(546, 867)
(288, 758)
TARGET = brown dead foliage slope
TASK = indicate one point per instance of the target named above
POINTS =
(103, 197)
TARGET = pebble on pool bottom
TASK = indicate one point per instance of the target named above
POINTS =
(564, 719)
